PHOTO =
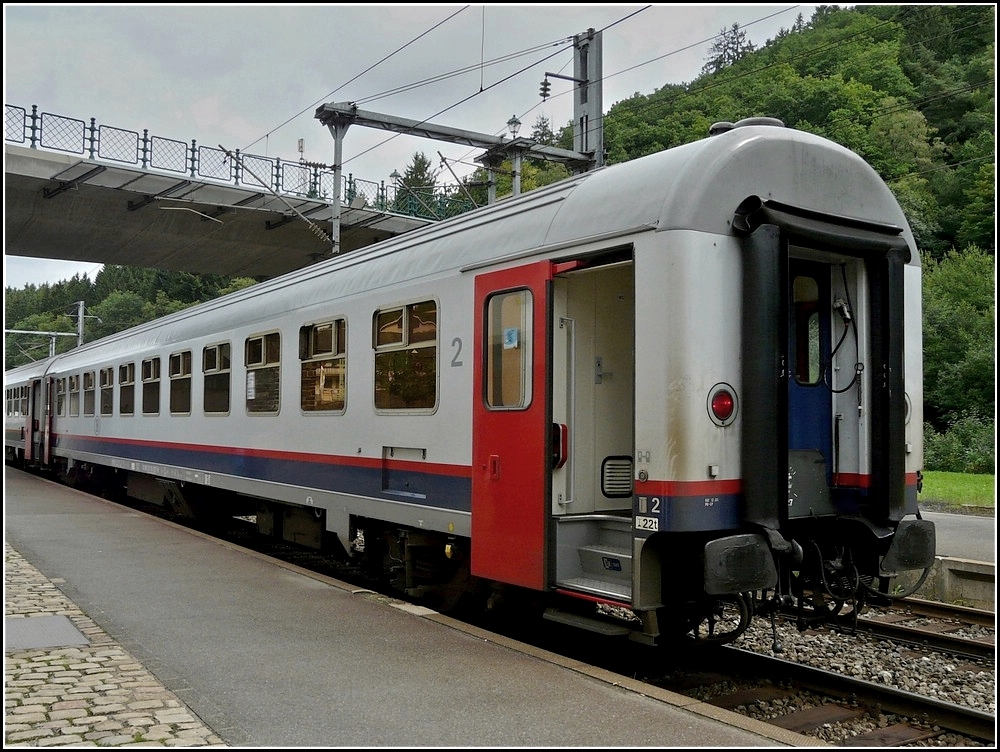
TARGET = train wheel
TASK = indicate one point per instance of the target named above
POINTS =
(722, 620)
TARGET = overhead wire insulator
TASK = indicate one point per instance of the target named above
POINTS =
(545, 89)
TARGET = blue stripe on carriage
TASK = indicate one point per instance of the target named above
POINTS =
(677, 514)
(449, 487)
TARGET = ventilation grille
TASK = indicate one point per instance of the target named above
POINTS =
(616, 477)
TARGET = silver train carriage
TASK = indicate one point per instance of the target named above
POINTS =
(686, 387)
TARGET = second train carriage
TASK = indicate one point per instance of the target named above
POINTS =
(664, 385)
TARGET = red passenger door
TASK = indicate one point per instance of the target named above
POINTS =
(510, 468)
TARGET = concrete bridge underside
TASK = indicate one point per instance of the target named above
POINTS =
(60, 206)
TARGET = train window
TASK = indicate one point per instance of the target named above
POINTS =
(107, 391)
(74, 396)
(508, 352)
(151, 386)
(805, 291)
(179, 371)
(61, 396)
(323, 352)
(215, 364)
(263, 362)
(89, 393)
(405, 342)
(24, 400)
(126, 388)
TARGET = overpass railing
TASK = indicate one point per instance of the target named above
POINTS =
(45, 130)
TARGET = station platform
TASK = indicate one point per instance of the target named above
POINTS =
(150, 634)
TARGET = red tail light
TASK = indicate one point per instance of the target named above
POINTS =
(722, 404)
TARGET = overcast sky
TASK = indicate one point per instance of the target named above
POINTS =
(250, 77)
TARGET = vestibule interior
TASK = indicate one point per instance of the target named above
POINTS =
(593, 382)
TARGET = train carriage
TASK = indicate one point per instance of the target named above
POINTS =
(682, 386)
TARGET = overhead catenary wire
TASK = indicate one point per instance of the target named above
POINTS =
(481, 65)
(359, 75)
(904, 14)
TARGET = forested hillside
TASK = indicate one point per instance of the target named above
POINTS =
(909, 88)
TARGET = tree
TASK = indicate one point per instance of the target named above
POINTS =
(415, 189)
(542, 131)
(730, 46)
(959, 308)
(120, 310)
(119, 298)
(419, 173)
(20, 349)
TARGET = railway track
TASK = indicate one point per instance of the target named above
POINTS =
(928, 625)
(826, 705)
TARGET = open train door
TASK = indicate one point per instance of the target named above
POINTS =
(792, 457)
(510, 425)
(48, 408)
(810, 399)
(31, 421)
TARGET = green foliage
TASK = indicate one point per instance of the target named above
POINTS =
(730, 46)
(419, 173)
(121, 309)
(977, 218)
(910, 89)
(417, 193)
(959, 309)
(119, 298)
(968, 445)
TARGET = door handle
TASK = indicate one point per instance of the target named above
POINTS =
(494, 467)
(560, 445)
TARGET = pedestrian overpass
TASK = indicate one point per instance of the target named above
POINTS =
(81, 191)
(84, 192)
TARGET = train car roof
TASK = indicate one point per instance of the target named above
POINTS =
(697, 186)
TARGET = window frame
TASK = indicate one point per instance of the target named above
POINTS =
(269, 360)
(179, 367)
(107, 386)
(336, 355)
(495, 382)
(126, 384)
(89, 394)
(61, 399)
(151, 384)
(74, 395)
(212, 375)
(407, 345)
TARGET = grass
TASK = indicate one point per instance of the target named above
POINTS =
(945, 490)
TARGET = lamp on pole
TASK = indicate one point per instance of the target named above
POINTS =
(395, 178)
(514, 125)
